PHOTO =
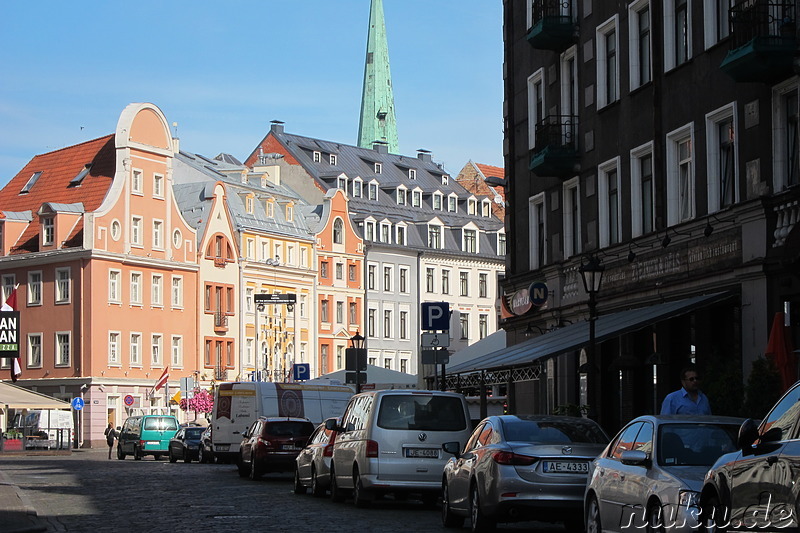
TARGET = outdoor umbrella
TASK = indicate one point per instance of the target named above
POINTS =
(780, 348)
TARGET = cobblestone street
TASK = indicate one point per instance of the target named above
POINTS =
(86, 492)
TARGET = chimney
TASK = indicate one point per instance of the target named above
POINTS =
(176, 145)
(382, 147)
(277, 126)
(424, 155)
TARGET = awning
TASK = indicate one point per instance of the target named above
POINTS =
(576, 335)
(13, 397)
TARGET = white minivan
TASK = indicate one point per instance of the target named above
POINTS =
(238, 404)
(390, 441)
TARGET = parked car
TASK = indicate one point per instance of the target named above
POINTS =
(314, 461)
(649, 477)
(206, 449)
(755, 486)
(185, 444)
(146, 435)
(272, 444)
(390, 441)
(520, 467)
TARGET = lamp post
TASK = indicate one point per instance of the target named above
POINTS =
(592, 273)
(357, 344)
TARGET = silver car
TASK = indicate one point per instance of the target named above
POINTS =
(314, 462)
(651, 474)
(521, 468)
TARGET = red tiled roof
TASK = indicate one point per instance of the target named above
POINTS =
(58, 168)
(489, 170)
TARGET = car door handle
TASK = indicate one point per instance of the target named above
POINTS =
(772, 459)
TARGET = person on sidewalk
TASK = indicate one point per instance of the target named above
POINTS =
(689, 400)
(110, 434)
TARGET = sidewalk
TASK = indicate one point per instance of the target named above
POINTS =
(17, 515)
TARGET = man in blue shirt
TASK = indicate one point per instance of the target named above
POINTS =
(688, 400)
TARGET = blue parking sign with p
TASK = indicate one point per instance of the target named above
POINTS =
(302, 371)
(436, 316)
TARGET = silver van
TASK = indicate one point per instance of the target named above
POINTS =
(390, 441)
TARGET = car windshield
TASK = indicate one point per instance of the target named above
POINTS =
(289, 429)
(194, 433)
(694, 444)
(553, 431)
(422, 412)
(160, 424)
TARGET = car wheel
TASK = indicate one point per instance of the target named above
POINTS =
(120, 455)
(713, 516)
(655, 520)
(337, 495)
(137, 453)
(361, 496)
(593, 524)
(316, 488)
(254, 473)
(241, 467)
(172, 458)
(480, 522)
(448, 518)
(299, 488)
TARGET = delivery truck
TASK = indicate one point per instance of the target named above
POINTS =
(238, 404)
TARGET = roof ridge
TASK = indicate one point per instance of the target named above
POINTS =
(73, 146)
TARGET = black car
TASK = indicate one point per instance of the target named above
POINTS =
(186, 444)
(272, 444)
(755, 488)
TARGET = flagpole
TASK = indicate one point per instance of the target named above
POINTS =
(166, 397)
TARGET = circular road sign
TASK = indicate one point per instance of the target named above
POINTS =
(128, 400)
(77, 403)
(538, 293)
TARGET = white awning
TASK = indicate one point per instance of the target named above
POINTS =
(14, 397)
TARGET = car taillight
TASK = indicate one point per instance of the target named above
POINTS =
(264, 442)
(511, 458)
(141, 443)
(327, 451)
(372, 448)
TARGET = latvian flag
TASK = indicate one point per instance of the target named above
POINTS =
(161, 381)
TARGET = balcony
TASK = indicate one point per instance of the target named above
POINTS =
(220, 322)
(763, 41)
(220, 374)
(556, 150)
(553, 26)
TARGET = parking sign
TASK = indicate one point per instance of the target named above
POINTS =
(436, 316)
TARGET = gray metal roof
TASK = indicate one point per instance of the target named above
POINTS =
(575, 335)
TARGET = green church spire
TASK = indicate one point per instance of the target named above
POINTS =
(377, 122)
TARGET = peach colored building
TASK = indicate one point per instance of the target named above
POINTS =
(107, 269)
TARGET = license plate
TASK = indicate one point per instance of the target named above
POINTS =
(566, 467)
(288, 447)
(222, 447)
(153, 442)
(428, 453)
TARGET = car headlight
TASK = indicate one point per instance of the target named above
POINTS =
(689, 498)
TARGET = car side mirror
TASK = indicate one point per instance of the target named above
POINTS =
(453, 448)
(635, 457)
(748, 433)
(331, 425)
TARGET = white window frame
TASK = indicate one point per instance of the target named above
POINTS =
(176, 351)
(713, 171)
(486, 208)
(668, 31)
(412, 173)
(434, 229)
(156, 290)
(136, 230)
(452, 203)
(158, 234)
(634, 46)
(332, 159)
(472, 206)
(402, 195)
(416, 198)
(713, 21)
(35, 287)
(637, 209)
(534, 80)
(136, 279)
(780, 156)
(401, 234)
(135, 349)
(674, 194)
(437, 201)
(372, 190)
(606, 171)
(316, 156)
(63, 285)
(603, 83)
(33, 348)
(476, 234)
(358, 188)
(176, 292)
(569, 93)
(536, 206)
(48, 230)
(158, 186)
(63, 349)
(137, 180)
(572, 235)
(156, 350)
(114, 286)
(114, 358)
(378, 168)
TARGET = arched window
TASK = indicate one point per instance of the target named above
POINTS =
(338, 231)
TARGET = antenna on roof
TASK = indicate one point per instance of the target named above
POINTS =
(175, 130)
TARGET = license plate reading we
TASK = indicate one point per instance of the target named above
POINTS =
(428, 453)
(566, 467)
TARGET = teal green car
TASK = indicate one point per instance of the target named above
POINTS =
(146, 435)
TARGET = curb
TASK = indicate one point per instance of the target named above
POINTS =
(33, 524)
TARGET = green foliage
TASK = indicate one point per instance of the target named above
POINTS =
(763, 388)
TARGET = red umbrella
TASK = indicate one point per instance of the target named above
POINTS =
(780, 348)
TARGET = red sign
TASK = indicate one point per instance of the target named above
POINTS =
(128, 400)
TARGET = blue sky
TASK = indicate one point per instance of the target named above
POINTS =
(223, 69)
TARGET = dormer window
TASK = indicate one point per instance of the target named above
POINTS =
(333, 159)
(249, 203)
(264, 181)
(386, 231)
(437, 201)
(452, 203)
(358, 188)
(472, 206)
(48, 231)
(444, 180)
(486, 208)
(373, 191)
(31, 182)
(400, 235)
(402, 196)
(412, 174)
(378, 168)
(76, 181)
(369, 230)
(317, 157)
(416, 198)
(271, 208)
(341, 183)
(470, 244)
(435, 237)
(289, 213)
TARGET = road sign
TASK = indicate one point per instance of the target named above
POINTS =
(77, 403)
(350, 377)
(436, 316)
(538, 293)
(128, 400)
(277, 298)
(301, 371)
(435, 357)
(435, 340)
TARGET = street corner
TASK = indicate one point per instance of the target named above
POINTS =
(17, 514)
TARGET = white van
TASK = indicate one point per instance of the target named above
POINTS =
(238, 404)
(391, 441)
(46, 428)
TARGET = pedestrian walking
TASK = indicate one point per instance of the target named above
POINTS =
(110, 434)
(688, 400)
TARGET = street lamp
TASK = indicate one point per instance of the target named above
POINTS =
(357, 344)
(592, 273)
